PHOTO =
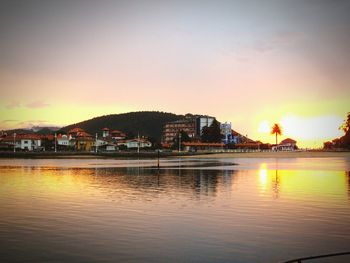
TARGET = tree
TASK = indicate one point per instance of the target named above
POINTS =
(346, 125)
(276, 129)
(184, 138)
(212, 133)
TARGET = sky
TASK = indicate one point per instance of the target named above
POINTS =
(251, 63)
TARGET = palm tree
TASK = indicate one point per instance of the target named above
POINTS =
(276, 129)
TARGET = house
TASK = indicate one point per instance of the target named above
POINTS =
(286, 145)
(84, 141)
(105, 132)
(26, 142)
(72, 134)
(138, 143)
(109, 147)
(117, 135)
(62, 140)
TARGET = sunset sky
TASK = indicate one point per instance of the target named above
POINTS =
(252, 63)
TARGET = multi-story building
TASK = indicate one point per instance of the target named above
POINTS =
(191, 124)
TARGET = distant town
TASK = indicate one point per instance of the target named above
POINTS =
(191, 133)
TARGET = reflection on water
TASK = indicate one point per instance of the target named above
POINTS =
(133, 213)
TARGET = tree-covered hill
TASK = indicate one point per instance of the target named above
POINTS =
(146, 123)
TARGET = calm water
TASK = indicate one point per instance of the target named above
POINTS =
(261, 210)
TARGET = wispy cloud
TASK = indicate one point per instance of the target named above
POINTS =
(37, 104)
(7, 121)
(13, 104)
(30, 123)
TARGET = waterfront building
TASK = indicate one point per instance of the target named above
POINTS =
(191, 124)
(286, 145)
(135, 143)
(25, 142)
(226, 131)
(62, 140)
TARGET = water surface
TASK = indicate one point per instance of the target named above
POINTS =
(219, 210)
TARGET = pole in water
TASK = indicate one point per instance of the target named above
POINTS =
(158, 157)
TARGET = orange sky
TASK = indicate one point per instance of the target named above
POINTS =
(252, 65)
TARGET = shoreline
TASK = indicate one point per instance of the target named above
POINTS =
(91, 155)
(281, 154)
(152, 155)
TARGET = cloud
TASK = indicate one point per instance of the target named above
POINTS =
(13, 104)
(7, 121)
(31, 105)
(30, 123)
(37, 104)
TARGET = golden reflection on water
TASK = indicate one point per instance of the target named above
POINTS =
(303, 183)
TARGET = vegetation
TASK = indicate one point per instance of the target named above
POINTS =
(344, 141)
(184, 138)
(346, 125)
(276, 129)
(212, 133)
(146, 123)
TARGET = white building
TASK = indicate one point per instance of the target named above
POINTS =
(226, 131)
(26, 142)
(105, 132)
(62, 140)
(286, 145)
(135, 143)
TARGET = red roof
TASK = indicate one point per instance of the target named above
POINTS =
(105, 129)
(50, 137)
(288, 140)
(22, 137)
(75, 130)
(83, 134)
(116, 133)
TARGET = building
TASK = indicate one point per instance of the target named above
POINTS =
(117, 135)
(81, 140)
(191, 124)
(286, 145)
(226, 131)
(201, 122)
(138, 143)
(25, 142)
(72, 134)
(62, 140)
(105, 132)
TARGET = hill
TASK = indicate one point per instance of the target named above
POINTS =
(146, 123)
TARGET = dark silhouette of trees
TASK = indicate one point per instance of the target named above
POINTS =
(212, 133)
(184, 138)
(146, 123)
(276, 129)
(346, 125)
(344, 141)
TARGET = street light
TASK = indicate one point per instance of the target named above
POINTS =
(14, 142)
